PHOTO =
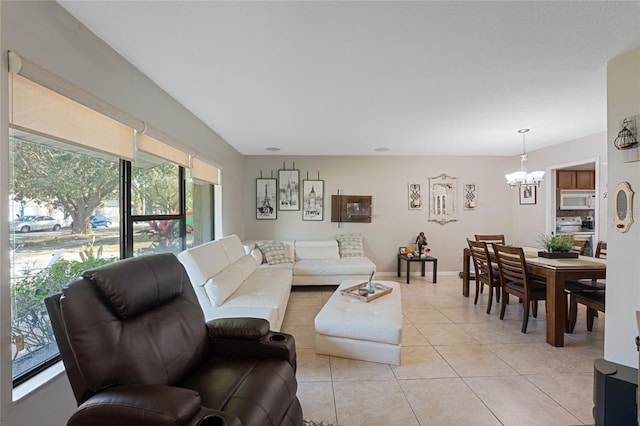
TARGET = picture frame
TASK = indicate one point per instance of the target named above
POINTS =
(414, 196)
(528, 194)
(313, 200)
(402, 250)
(288, 189)
(266, 190)
(443, 199)
(470, 196)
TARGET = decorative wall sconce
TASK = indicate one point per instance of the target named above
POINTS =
(626, 139)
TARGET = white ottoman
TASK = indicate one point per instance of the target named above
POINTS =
(369, 331)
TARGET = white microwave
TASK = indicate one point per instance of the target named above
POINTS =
(577, 199)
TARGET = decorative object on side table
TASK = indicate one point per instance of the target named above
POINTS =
(557, 246)
(421, 241)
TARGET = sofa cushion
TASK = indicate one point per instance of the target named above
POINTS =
(204, 261)
(247, 265)
(345, 266)
(274, 252)
(317, 250)
(257, 255)
(266, 288)
(223, 285)
(351, 245)
(233, 247)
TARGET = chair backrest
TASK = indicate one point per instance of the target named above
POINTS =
(496, 238)
(601, 250)
(481, 260)
(135, 321)
(580, 246)
(512, 265)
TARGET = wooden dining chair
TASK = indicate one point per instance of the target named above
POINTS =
(487, 238)
(490, 239)
(485, 273)
(584, 286)
(593, 300)
(516, 280)
(580, 246)
(589, 284)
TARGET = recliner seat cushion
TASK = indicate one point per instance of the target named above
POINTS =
(259, 392)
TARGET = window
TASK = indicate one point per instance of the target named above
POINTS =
(71, 170)
(55, 191)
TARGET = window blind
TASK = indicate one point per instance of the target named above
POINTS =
(153, 146)
(205, 171)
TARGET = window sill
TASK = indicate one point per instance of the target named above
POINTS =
(24, 389)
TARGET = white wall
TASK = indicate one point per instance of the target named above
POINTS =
(586, 149)
(623, 249)
(393, 224)
(44, 33)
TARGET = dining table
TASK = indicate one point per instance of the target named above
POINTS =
(556, 272)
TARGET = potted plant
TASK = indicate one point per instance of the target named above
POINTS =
(557, 246)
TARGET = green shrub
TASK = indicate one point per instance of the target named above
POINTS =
(29, 314)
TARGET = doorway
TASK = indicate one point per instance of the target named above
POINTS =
(578, 179)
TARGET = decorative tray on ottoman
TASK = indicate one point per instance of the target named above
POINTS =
(354, 291)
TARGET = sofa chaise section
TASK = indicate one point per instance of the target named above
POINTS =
(228, 282)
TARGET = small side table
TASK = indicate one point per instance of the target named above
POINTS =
(407, 259)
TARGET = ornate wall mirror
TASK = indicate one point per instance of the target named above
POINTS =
(443, 193)
(623, 203)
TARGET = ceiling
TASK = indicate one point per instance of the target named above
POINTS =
(346, 78)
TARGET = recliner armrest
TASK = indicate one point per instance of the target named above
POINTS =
(141, 405)
(250, 338)
(238, 328)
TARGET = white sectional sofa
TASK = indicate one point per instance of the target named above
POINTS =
(236, 280)
(323, 262)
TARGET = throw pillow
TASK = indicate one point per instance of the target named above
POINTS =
(274, 252)
(351, 245)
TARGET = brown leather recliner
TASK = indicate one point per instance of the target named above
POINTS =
(137, 351)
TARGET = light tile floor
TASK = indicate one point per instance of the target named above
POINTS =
(460, 366)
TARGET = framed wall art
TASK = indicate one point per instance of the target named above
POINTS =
(313, 200)
(528, 194)
(266, 190)
(470, 196)
(415, 196)
(443, 192)
(288, 190)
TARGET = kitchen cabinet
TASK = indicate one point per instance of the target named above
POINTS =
(576, 179)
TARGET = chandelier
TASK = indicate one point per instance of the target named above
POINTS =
(522, 178)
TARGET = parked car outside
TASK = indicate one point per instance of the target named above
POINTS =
(99, 220)
(35, 223)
